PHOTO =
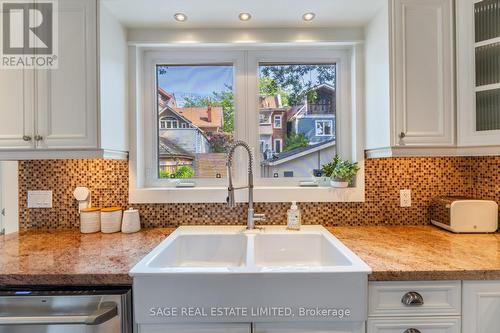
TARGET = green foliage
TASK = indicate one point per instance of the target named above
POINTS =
(224, 99)
(296, 80)
(269, 87)
(294, 141)
(341, 170)
(181, 172)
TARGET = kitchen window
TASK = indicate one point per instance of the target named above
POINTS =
(294, 108)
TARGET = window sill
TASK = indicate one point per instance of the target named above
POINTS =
(261, 194)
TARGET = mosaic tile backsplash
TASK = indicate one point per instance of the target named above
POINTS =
(108, 181)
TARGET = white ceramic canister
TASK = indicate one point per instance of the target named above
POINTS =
(111, 219)
(90, 220)
(131, 221)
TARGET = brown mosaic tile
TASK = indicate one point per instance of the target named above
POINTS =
(108, 181)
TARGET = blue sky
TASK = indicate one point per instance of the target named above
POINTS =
(194, 80)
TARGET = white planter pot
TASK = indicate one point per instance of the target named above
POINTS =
(339, 184)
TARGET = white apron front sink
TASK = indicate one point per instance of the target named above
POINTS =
(228, 274)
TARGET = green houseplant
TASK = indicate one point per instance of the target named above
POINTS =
(344, 173)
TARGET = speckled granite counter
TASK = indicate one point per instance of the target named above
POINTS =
(394, 253)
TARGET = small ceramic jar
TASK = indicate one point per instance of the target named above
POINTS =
(90, 220)
(131, 221)
(111, 219)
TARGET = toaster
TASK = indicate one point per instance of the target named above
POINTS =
(462, 214)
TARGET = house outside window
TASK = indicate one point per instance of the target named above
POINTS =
(324, 127)
(277, 121)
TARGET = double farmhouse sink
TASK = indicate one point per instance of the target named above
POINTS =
(230, 274)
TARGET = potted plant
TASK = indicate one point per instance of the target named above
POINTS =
(344, 173)
(327, 170)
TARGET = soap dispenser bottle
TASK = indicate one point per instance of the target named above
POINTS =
(293, 217)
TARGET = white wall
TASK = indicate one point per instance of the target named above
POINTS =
(9, 196)
(377, 81)
(113, 70)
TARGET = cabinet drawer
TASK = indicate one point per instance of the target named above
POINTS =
(439, 298)
(309, 327)
(414, 325)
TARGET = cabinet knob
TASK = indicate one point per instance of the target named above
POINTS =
(412, 330)
(412, 298)
(26, 138)
(38, 137)
(402, 135)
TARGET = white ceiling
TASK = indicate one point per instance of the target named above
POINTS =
(224, 13)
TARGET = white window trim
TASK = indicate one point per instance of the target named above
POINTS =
(140, 57)
(274, 145)
(276, 117)
(323, 121)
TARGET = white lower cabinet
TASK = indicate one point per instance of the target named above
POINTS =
(481, 307)
(312, 327)
(414, 307)
(196, 328)
(414, 325)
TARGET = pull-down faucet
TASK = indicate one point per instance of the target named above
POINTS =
(251, 216)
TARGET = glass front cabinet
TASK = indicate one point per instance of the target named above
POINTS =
(478, 72)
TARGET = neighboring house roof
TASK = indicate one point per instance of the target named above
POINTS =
(166, 98)
(269, 102)
(294, 111)
(167, 148)
(298, 152)
(203, 117)
(323, 85)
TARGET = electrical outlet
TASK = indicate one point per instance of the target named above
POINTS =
(39, 199)
(405, 198)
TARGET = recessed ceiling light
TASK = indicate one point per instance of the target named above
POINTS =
(180, 17)
(308, 16)
(245, 16)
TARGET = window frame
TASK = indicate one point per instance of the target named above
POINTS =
(246, 124)
(323, 121)
(280, 117)
(152, 59)
(274, 145)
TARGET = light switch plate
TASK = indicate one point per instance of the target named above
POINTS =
(39, 199)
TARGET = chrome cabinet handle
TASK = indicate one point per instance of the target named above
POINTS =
(412, 298)
(402, 135)
(412, 330)
(38, 137)
(26, 138)
(106, 312)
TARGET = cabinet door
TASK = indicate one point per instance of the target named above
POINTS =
(478, 72)
(312, 327)
(423, 72)
(67, 96)
(481, 306)
(414, 325)
(16, 111)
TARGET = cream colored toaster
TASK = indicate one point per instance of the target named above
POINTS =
(461, 214)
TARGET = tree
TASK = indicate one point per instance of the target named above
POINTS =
(224, 99)
(269, 87)
(296, 80)
(294, 141)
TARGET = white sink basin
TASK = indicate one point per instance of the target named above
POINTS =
(230, 267)
(302, 250)
(212, 250)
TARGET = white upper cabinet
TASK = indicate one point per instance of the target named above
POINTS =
(57, 113)
(66, 97)
(16, 111)
(423, 70)
(478, 72)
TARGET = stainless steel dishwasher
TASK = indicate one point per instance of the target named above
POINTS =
(65, 311)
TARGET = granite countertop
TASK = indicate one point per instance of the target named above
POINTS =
(393, 253)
